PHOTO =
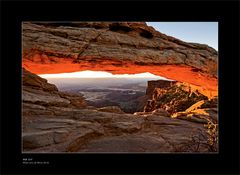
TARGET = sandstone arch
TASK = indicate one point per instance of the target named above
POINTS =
(69, 47)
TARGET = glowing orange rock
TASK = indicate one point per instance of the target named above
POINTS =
(205, 83)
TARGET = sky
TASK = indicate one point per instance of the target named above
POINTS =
(99, 74)
(196, 32)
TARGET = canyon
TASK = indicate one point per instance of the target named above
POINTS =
(176, 116)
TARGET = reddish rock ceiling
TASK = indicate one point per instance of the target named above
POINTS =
(208, 84)
(119, 48)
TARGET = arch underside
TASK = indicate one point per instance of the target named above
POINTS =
(205, 83)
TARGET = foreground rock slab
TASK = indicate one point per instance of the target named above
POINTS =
(57, 122)
(120, 133)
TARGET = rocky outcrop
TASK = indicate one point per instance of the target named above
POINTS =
(53, 121)
(117, 41)
(116, 47)
(163, 84)
(203, 111)
(94, 131)
(36, 90)
(171, 96)
(35, 82)
(178, 100)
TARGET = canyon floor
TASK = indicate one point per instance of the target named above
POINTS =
(55, 121)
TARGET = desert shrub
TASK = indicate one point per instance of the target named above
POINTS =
(206, 141)
(212, 131)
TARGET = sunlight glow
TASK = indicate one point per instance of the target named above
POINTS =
(99, 74)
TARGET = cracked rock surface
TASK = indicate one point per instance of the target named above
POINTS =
(54, 127)
(117, 41)
(54, 121)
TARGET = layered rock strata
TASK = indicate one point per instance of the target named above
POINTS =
(117, 47)
(54, 122)
(180, 100)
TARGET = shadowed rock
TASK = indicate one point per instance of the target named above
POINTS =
(112, 109)
(116, 47)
